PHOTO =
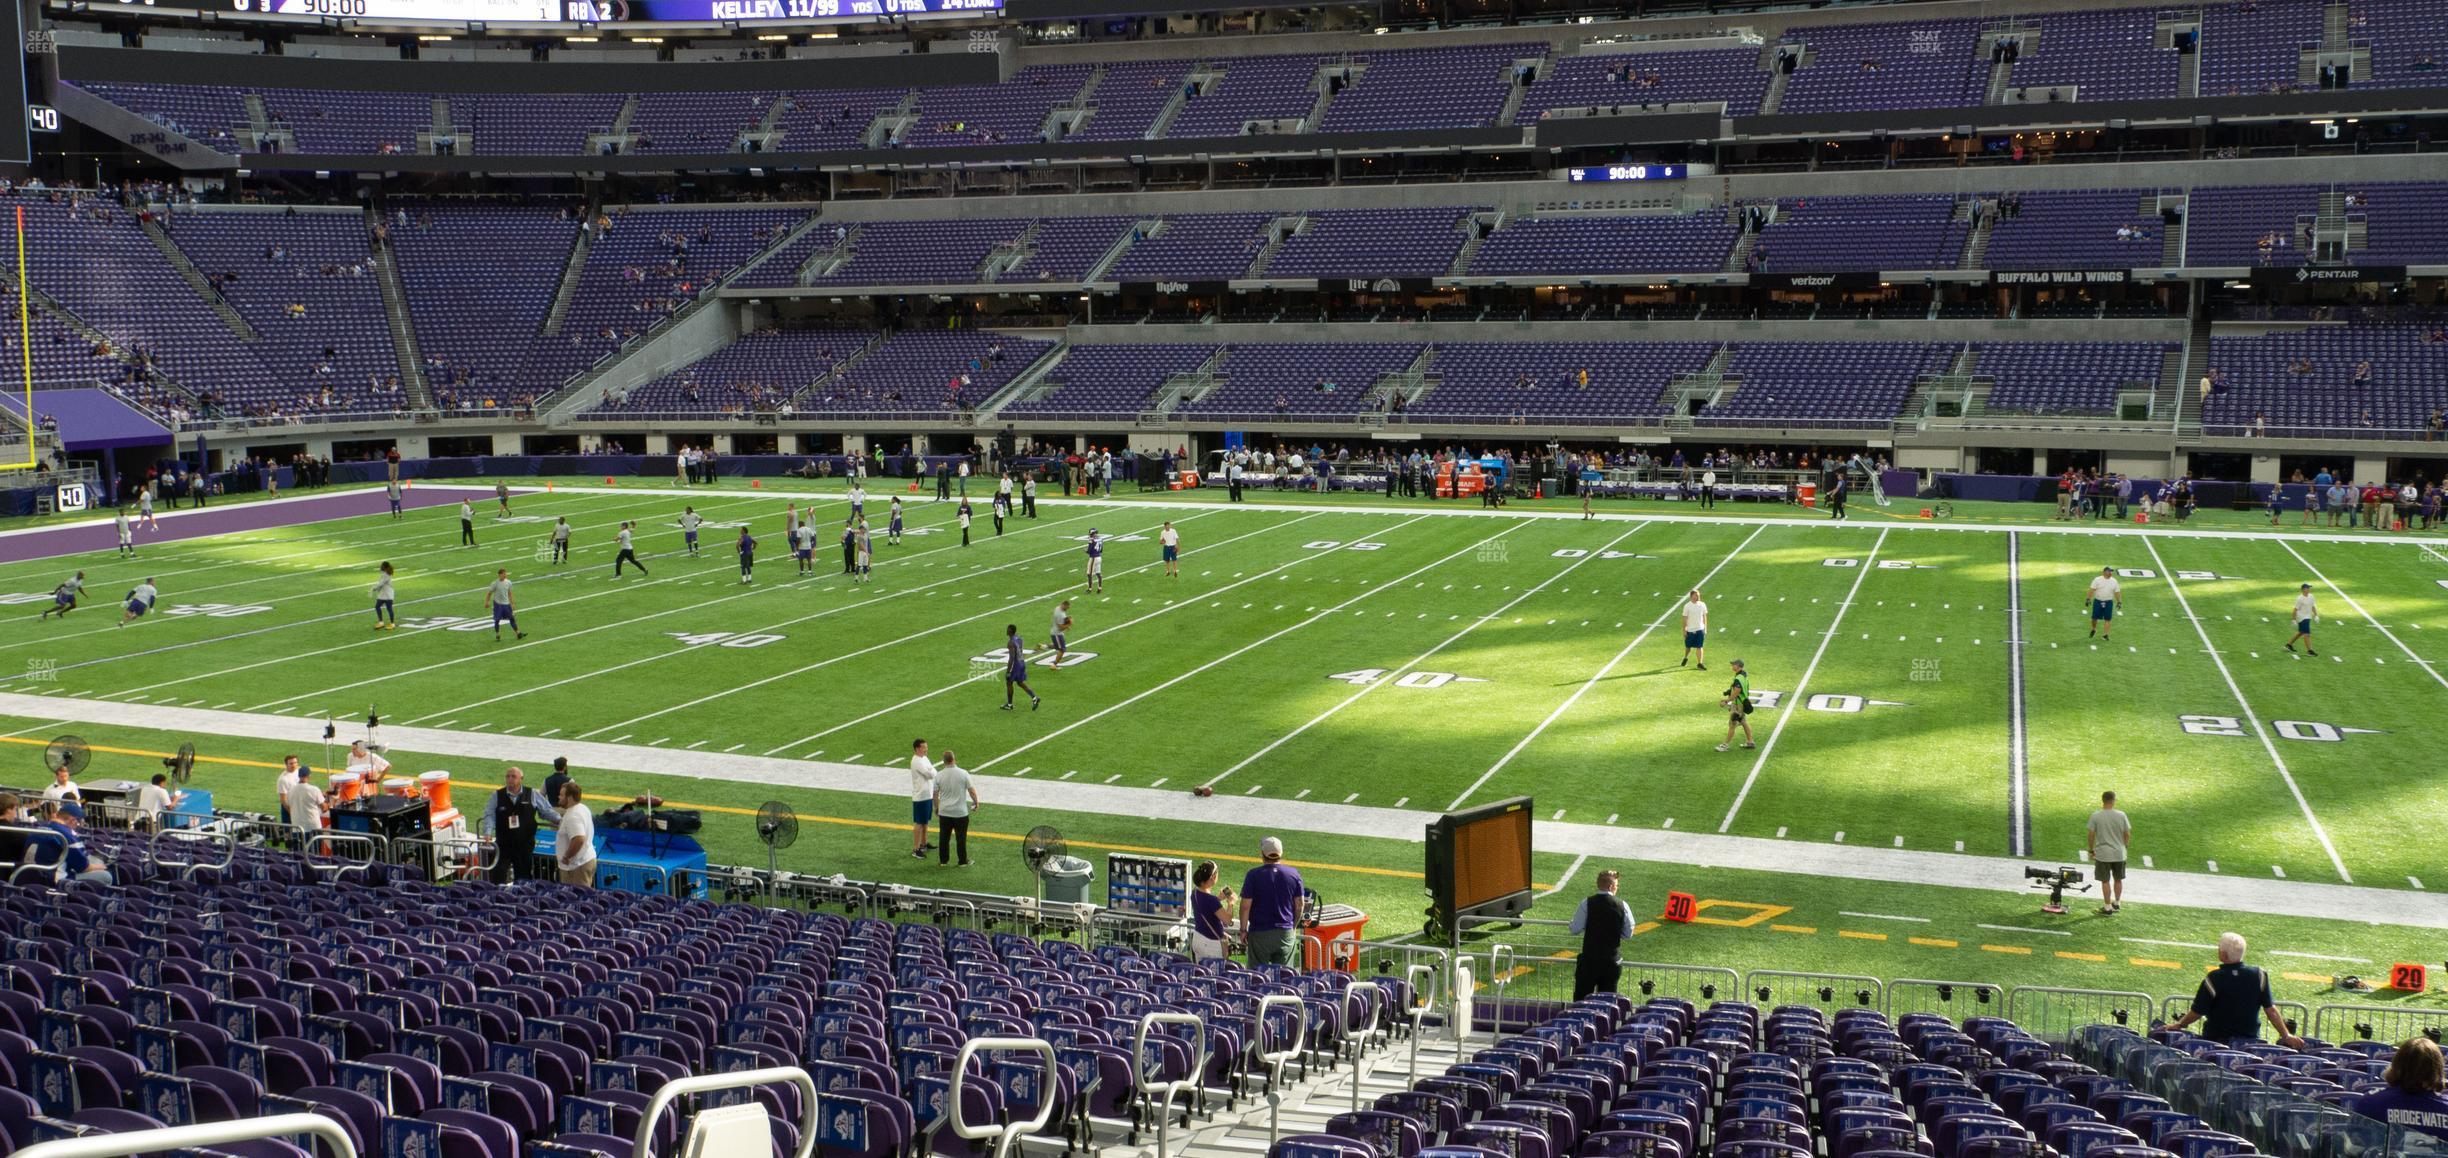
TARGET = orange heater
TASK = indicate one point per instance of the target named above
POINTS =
(402, 786)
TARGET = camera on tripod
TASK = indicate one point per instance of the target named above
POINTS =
(2056, 881)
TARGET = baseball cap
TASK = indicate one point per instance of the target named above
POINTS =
(1270, 847)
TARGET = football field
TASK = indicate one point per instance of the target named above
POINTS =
(1921, 689)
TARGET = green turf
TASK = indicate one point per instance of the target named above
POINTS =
(1389, 657)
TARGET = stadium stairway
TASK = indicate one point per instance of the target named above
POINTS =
(1303, 1106)
(403, 332)
(187, 271)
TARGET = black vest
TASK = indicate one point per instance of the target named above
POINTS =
(1603, 929)
(514, 817)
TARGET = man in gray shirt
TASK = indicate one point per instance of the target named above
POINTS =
(2110, 833)
(956, 796)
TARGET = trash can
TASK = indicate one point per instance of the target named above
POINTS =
(1066, 879)
(1331, 943)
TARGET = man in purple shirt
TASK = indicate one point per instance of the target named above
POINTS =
(1270, 908)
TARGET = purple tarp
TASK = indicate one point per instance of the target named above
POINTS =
(52, 542)
(92, 419)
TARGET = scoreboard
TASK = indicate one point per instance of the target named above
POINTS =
(15, 131)
(604, 11)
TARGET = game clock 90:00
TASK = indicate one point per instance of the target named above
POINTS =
(435, 11)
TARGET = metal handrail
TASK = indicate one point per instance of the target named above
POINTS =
(1501, 958)
(1162, 1093)
(28, 834)
(170, 1138)
(1274, 1060)
(703, 1083)
(187, 869)
(1420, 1008)
(1003, 1133)
(374, 846)
(1462, 991)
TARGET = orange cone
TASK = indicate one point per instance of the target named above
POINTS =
(608, 481)
(756, 484)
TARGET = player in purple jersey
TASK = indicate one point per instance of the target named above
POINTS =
(1015, 668)
(1096, 562)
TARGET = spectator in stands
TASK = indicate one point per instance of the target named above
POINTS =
(2232, 997)
(1603, 921)
(76, 862)
(1270, 908)
(2413, 1098)
(1208, 934)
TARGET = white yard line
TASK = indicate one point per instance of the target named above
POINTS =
(2427, 669)
(2245, 708)
(952, 687)
(1600, 674)
(1413, 663)
(792, 622)
(998, 609)
(1792, 704)
(1566, 879)
(2018, 779)
(345, 541)
(465, 593)
(1256, 643)
(474, 657)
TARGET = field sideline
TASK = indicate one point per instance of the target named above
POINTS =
(1387, 660)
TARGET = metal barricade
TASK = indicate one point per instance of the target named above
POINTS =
(1136, 931)
(173, 1139)
(1698, 984)
(329, 843)
(448, 858)
(1825, 991)
(1004, 1134)
(2296, 1014)
(738, 885)
(169, 839)
(2054, 1014)
(1955, 999)
(850, 897)
(2377, 1023)
(678, 1088)
(122, 815)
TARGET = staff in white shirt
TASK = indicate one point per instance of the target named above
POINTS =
(574, 843)
(922, 798)
(155, 798)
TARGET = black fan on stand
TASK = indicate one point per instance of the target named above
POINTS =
(778, 828)
(182, 765)
(1041, 846)
(66, 753)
